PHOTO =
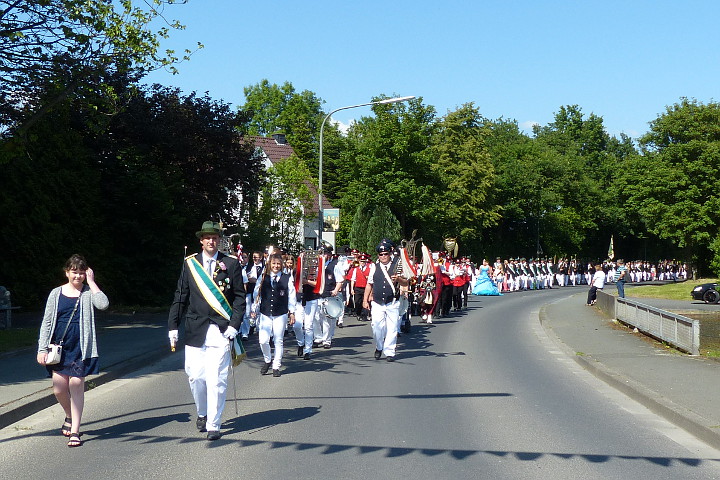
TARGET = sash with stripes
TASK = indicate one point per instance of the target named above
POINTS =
(212, 295)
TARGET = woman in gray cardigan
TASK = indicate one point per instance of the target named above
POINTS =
(70, 318)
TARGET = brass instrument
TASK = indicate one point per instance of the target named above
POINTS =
(451, 246)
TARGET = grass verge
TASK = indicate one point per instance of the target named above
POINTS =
(669, 291)
(17, 338)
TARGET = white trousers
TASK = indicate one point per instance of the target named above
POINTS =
(384, 325)
(275, 327)
(304, 324)
(207, 370)
(327, 326)
(245, 325)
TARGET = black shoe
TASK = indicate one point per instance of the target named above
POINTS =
(306, 356)
(326, 346)
(276, 373)
(300, 351)
(390, 359)
(377, 354)
(200, 423)
(340, 325)
(213, 435)
(264, 369)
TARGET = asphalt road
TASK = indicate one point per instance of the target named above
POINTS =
(485, 394)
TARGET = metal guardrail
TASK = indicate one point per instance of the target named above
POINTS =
(679, 331)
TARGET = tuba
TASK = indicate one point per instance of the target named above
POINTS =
(451, 246)
(310, 265)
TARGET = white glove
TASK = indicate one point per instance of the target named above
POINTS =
(230, 333)
(173, 336)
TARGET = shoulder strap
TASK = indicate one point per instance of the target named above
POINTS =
(212, 295)
(67, 325)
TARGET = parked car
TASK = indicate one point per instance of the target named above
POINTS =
(707, 292)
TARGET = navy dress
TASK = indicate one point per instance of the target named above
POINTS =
(71, 361)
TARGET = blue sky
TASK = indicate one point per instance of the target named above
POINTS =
(622, 60)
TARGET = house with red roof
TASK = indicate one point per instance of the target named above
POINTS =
(276, 149)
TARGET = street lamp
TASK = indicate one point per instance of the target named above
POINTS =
(320, 167)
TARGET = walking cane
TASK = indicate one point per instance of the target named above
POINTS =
(232, 369)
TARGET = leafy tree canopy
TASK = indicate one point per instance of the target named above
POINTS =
(69, 41)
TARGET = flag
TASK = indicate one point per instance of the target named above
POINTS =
(611, 249)
(237, 352)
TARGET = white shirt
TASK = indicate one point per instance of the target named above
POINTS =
(598, 280)
(206, 259)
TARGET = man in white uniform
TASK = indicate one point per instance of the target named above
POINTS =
(381, 297)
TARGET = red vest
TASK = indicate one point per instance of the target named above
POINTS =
(361, 276)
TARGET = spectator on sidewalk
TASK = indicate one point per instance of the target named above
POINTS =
(620, 278)
(597, 283)
(69, 320)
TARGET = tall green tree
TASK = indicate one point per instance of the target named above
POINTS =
(674, 185)
(285, 200)
(159, 168)
(386, 161)
(68, 41)
(464, 194)
(271, 108)
(358, 231)
(382, 224)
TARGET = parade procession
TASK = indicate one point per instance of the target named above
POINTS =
(229, 297)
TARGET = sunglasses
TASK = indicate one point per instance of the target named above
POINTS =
(383, 254)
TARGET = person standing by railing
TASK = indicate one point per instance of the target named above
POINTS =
(621, 272)
(598, 282)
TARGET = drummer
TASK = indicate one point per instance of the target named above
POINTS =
(334, 278)
(382, 291)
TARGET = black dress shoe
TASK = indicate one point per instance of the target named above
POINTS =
(390, 359)
(326, 346)
(200, 423)
(213, 435)
(300, 351)
(264, 369)
(377, 354)
(276, 373)
(306, 356)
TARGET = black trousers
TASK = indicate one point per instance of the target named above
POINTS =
(592, 294)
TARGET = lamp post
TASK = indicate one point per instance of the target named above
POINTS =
(320, 167)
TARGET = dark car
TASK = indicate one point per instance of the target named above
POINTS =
(707, 292)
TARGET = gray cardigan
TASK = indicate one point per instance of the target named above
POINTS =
(88, 300)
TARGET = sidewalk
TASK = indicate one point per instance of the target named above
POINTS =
(681, 388)
(126, 343)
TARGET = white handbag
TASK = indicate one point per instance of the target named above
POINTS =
(54, 353)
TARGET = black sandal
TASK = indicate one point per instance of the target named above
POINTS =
(74, 440)
(66, 428)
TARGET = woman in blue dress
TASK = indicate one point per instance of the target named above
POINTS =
(70, 319)
(483, 284)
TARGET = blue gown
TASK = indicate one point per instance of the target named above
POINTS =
(484, 285)
(71, 361)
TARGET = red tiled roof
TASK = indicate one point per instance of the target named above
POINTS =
(277, 152)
